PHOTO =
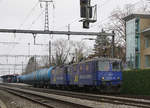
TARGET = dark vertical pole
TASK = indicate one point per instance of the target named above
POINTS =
(113, 44)
(34, 36)
(49, 52)
(76, 55)
(29, 49)
(14, 69)
(35, 62)
(68, 31)
(22, 66)
(15, 65)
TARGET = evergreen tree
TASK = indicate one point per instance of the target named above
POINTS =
(102, 46)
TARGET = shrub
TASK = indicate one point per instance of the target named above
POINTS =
(136, 82)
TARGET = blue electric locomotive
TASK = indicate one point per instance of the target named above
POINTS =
(101, 73)
(59, 77)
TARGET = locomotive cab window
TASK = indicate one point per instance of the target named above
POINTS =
(103, 65)
(115, 66)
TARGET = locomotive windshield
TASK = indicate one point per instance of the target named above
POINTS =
(109, 66)
(103, 65)
(115, 66)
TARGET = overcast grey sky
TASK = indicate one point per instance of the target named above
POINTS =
(13, 13)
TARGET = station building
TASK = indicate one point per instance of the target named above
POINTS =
(138, 40)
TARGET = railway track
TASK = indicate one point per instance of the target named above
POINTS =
(98, 98)
(44, 99)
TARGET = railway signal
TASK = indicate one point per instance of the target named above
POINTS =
(88, 13)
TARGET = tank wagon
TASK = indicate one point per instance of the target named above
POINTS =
(103, 74)
(39, 78)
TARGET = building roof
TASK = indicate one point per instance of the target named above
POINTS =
(131, 16)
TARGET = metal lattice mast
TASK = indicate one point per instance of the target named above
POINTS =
(46, 26)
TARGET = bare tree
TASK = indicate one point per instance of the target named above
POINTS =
(61, 54)
(117, 23)
(79, 50)
(66, 50)
(44, 62)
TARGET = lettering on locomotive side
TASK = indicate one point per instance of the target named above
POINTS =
(108, 78)
(76, 78)
(85, 76)
(59, 78)
(110, 74)
(54, 79)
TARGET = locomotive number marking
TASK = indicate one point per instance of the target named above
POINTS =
(54, 79)
(76, 78)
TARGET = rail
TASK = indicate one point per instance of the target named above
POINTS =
(94, 97)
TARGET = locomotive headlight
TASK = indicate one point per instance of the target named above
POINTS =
(103, 78)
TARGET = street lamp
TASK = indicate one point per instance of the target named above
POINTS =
(87, 39)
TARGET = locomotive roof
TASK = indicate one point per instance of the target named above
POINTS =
(99, 59)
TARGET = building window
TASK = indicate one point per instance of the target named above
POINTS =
(147, 42)
(131, 40)
(147, 61)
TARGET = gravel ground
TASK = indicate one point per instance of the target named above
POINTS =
(2, 105)
(12, 101)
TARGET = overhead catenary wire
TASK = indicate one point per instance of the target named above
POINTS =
(66, 25)
(29, 14)
(37, 18)
(33, 22)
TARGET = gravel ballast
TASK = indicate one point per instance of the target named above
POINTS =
(8, 100)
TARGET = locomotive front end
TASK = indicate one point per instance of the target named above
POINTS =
(109, 74)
